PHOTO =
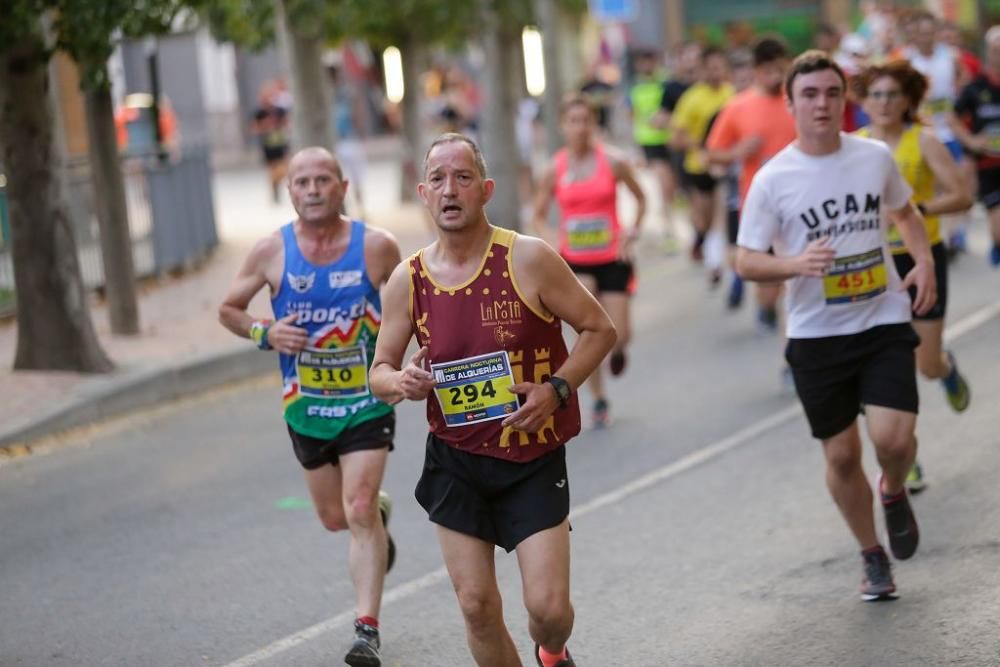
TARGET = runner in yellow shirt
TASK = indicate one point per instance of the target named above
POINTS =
(891, 94)
(695, 109)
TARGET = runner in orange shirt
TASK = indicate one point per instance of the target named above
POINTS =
(752, 127)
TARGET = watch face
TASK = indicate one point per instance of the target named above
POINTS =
(562, 389)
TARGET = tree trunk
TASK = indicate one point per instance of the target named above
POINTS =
(545, 13)
(572, 56)
(54, 331)
(112, 213)
(499, 109)
(310, 87)
(412, 139)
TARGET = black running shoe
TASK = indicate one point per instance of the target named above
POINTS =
(364, 650)
(616, 364)
(568, 662)
(900, 524)
(877, 583)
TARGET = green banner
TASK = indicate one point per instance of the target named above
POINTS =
(731, 23)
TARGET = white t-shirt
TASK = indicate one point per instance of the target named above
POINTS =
(939, 68)
(797, 198)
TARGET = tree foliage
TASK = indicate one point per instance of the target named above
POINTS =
(250, 23)
(88, 29)
(247, 23)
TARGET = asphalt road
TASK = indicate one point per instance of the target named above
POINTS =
(703, 533)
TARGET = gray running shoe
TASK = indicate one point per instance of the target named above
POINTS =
(877, 583)
(364, 650)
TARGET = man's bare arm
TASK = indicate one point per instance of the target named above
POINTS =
(390, 380)
(911, 228)
(381, 255)
(953, 195)
(251, 278)
(544, 274)
(564, 296)
(761, 266)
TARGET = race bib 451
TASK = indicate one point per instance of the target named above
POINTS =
(855, 278)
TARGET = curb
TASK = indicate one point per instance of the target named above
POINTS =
(137, 389)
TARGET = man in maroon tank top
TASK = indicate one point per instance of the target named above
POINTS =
(487, 306)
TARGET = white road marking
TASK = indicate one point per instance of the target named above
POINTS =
(970, 322)
(692, 460)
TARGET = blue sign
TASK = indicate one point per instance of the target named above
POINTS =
(613, 10)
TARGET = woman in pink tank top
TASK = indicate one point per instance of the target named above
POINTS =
(583, 178)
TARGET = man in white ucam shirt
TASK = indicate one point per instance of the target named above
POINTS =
(823, 204)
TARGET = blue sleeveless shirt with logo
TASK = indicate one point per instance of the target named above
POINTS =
(326, 388)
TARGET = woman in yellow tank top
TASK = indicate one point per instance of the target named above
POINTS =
(891, 94)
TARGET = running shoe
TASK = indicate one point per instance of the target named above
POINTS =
(697, 254)
(767, 320)
(787, 381)
(602, 416)
(955, 387)
(900, 523)
(915, 479)
(616, 364)
(568, 662)
(995, 256)
(877, 583)
(735, 298)
(714, 279)
(365, 649)
(385, 509)
(956, 241)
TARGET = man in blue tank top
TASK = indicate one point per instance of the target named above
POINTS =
(324, 272)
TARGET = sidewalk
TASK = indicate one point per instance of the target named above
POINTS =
(181, 348)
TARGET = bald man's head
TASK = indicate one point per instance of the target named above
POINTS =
(316, 185)
(313, 155)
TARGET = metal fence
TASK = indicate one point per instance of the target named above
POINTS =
(171, 215)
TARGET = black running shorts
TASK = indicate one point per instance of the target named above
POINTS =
(611, 277)
(834, 376)
(315, 453)
(904, 263)
(703, 182)
(654, 152)
(497, 501)
(275, 153)
(732, 225)
(989, 187)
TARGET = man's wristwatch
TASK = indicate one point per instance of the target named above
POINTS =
(562, 390)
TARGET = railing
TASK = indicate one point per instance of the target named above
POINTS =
(171, 217)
